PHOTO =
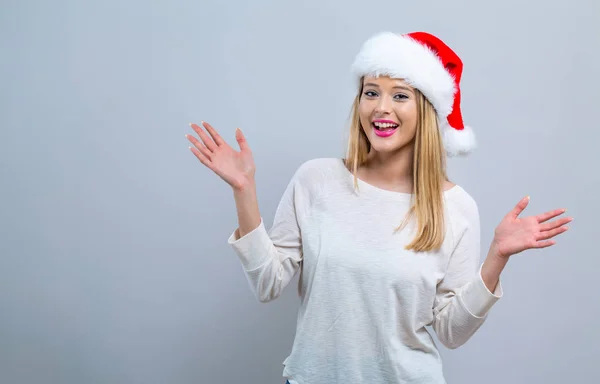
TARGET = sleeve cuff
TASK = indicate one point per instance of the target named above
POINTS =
(477, 298)
(253, 248)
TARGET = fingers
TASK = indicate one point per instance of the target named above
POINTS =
(208, 142)
(550, 214)
(521, 205)
(215, 136)
(239, 136)
(203, 159)
(544, 244)
(201, 148)
(551, 233)
(555, 223)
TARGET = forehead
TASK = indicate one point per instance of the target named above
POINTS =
(385, 82)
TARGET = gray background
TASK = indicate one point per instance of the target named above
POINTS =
(114, 265)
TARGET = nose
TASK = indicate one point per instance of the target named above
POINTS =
(384, 106)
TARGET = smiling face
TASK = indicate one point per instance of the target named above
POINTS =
(388, 113)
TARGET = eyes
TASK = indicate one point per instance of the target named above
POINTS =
(397, 96)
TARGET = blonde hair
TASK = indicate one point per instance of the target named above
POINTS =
(429, 172)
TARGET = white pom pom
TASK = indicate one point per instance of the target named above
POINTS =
(458, 142)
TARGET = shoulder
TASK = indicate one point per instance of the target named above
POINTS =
(316, 169)
(310, 180)
(460, 202)
(320, 163)
(314, 177)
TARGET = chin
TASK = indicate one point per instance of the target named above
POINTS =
(387, 148)
(386, 145)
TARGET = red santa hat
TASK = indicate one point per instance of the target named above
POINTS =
(425, 62)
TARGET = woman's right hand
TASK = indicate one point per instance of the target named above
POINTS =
(236, 168)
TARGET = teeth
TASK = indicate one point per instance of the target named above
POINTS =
(385, 125)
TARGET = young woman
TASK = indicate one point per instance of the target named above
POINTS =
(385, 243)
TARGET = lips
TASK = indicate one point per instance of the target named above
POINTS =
(383, 125)
(385, 132)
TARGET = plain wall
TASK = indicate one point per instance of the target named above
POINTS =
(114, 265)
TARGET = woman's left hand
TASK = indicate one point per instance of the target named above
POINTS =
(514, 234)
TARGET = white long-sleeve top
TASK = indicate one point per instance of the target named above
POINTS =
(365, 300)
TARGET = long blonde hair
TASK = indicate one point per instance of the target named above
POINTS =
(429, 172)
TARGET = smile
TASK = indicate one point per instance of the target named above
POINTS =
(384, 128)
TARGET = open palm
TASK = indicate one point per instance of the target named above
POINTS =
(236, 168)
(514, 234)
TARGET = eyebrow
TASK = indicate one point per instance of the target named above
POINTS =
(396, 86)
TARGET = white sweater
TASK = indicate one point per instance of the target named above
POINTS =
(365, 299)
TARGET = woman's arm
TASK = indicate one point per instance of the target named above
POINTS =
(246, 204)
(270, 259)
(492, 268)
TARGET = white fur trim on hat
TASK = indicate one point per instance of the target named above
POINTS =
(458, 142)
(398, 56)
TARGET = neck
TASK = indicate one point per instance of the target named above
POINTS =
(391, 170)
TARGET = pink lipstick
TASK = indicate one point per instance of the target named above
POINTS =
(384, 131)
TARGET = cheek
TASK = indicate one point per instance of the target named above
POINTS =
(412, 128)
(364, 112)
(408, 116)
